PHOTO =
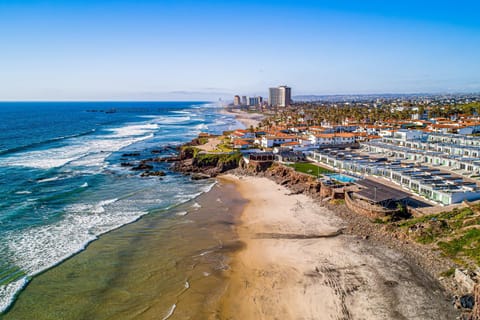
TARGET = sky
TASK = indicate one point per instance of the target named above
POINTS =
(205, 50)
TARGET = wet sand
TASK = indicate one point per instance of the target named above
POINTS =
(298, 265)
(169, 264)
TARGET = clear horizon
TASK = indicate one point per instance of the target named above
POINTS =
(183, 50)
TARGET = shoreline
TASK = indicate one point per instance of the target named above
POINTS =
(175, 257)
(245, 118)
(298, 263)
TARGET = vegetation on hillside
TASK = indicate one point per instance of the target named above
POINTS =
(215, 159)
(455, 233)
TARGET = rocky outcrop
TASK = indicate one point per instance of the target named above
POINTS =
(153, 174)
(142, 166)
(295, 181)
(127, 164)
(200, 176)
(132, 154)
(465, 280)
(164, 149)
(206, 164)
(189, 161)
(254, 167)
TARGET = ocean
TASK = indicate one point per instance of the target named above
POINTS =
(62, 183)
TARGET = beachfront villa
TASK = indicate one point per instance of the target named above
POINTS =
(270, 141)
(320, 139)
(440, 187)
(447, 151)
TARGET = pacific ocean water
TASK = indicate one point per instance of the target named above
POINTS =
(62, 183)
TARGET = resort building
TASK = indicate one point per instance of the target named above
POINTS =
(466, 164)
(431, 183)
(270, 141)
(322, 139)
(280, 96)
(450, 151)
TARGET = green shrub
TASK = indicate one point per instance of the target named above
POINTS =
(466, 245)
(214, 159)
(448, 273)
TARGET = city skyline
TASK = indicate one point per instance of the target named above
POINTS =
(182, 50)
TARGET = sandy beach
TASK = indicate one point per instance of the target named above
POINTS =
(297, 264)
(247, 119)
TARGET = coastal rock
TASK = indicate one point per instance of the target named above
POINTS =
(142, 166)
(163, 149)
(127, 164)
(200, 176)
(467, 301)
(164, 159)
(211, 164)
(464, 280)
(295, 181)
(153, 174)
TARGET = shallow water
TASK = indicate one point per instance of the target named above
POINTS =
(166, 264)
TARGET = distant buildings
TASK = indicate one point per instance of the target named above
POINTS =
(247, 101)
(254, 101)
(244, 100)
(280, 96)
(236, 101)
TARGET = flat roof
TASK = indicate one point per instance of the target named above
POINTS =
(377, 192)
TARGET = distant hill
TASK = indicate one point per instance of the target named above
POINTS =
(365, 97)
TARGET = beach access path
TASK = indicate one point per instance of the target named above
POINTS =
(297, 264)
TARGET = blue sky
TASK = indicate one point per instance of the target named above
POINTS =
(187, 50)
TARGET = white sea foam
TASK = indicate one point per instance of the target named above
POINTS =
(175, 120)
(182, 213)
(86, 151)
(196, 206)
(208, 187)
(85, 185)
(133, 130)
(48, 179)
(182, 112)
(148, 117)
(8, 292)
(170, 312)
(39, 248)
(201, 126)
(220, 123)
(205, 253)
(23, 192)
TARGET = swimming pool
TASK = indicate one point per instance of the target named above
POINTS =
(341, 178)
